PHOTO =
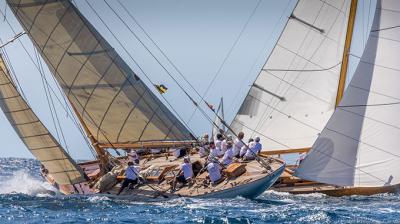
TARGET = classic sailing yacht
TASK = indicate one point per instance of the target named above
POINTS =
(358, 149)
(116, 110)
(302, 81)
(356, 152)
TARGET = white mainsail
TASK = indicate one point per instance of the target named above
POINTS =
(34, 134)
(294, 95)
(360, 144)
(112, 101)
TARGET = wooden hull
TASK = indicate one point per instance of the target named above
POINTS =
(335, 191)
(249, 185)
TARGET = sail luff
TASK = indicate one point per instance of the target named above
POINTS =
(359, 145)
(113, 102)
(346, 51)
(34, 134)
(298, 83)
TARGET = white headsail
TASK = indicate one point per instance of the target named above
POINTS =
(294, 95)
(360, 145)
(34, 134)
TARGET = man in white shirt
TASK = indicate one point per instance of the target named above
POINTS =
(254, 149)
(218, 141)
(238, 144)
(203, 152)
(185, 173)
(133, 157)
(214, 171)
(224, 143)
(244, 148)
(228, 155)
(131, 176)
(214, 151)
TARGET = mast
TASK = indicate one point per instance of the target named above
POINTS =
(347, 45)
(101, 154)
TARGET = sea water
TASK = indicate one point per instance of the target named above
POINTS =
(26, 198)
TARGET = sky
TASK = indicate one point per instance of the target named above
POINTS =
(229, 39)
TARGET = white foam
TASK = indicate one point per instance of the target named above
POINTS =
(21, 183)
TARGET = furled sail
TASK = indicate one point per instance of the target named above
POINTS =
(360, 144)
(294, 95)
(34, 134)
(115, 105)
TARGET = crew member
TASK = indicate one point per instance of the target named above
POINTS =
(133, 157)
(228, 155)
(254, 149)
(185, 173)
(131, 178)
(238, 144)
(214, 171)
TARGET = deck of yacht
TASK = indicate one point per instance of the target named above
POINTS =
(199, 187)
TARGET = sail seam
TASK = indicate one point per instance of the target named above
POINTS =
(15, 111)
(325, 37)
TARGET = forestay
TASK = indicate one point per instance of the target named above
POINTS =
(112, 101)
(294, 94)
(360, 144)
(34, 134)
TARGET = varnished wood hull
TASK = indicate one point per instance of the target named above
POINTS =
(339, 191)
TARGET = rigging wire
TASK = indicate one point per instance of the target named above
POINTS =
(385, 28)
(50, 101)
(228, 55)
(180, 86)
(367, 173)
(262, 162)
(158, 47)
(301, 70)
(67, 109)
(325, 36)
(47, 98)
(259, 55)
(131, 57)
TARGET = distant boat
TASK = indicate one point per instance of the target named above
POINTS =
(298, 101)
(116, 111)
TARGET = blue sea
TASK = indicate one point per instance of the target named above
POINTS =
(26, 198)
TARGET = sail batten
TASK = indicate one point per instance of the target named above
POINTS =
(360, 142)
(299, 79)
(35, 135)
(113, 102)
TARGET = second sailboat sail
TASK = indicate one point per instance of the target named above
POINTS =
(295, 93)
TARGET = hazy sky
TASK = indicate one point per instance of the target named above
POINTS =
(197, 36)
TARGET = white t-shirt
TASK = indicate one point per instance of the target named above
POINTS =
(216, 152)
(243, 150)
(218, 144)
(224, 146)
(228, 156)
(131, 172)
(237, 147)
(254, 149)
(187, 170)
(214, 171)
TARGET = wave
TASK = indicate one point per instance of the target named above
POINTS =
(22, 183)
